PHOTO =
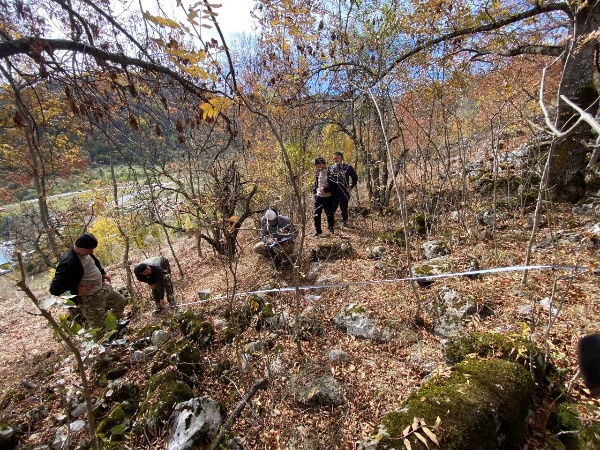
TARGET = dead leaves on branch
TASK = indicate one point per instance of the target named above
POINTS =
(422, 432)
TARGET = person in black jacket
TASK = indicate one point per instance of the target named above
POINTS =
(324, 190)
(345, 178)
(80, 273)
(156, 272)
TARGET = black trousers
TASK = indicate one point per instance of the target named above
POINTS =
(342, 199)
(328, 204)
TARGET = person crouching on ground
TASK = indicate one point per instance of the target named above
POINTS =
(80, 273)
(277, 234)
(156, 272)
(324, 191)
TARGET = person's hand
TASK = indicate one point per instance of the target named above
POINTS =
(350, 188)
(153, 286)
(106, 277)
(319, 191)
(83, 289)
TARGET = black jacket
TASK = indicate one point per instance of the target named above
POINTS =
(69, 273)
(344, 175)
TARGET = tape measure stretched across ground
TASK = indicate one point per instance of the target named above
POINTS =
(426, 278)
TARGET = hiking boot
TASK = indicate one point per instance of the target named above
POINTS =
(158, 309)
(315, 234)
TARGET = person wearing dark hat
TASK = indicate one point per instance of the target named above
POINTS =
(277, 233)
(324, 190)
(156, 272)
(345, 178)
(80, 273)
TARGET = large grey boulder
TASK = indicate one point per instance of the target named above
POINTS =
(353, 320)
(483, 404)
(434, 249)
(435, 266)
(376, 252)
(194, 423)
(332, 249)
(312, 387)
(450, 309)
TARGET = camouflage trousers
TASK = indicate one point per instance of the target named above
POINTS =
(166, 287)
(95, 307)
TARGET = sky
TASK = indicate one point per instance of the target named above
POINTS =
(233, 15)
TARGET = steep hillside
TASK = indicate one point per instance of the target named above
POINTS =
(39, 383)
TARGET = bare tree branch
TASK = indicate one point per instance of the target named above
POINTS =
(34, 46)
(545, 50)
(493, 25)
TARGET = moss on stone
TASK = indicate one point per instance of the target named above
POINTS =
(13, 396)
(229, 333)
(354, 309)
(422, 271)
(195, 329)
(331, 249)
(164, 391)
(393, 237)
(183, 355)
(418, 223)
(120, 415)
(126, 391)
(146, 331)
(482, 405)
(104, 368)
(501, 346)
(116, 373)
(568, 419)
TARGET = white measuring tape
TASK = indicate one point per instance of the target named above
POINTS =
(397, 280)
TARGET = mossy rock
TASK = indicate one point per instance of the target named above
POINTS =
(116, 372)
(184, 356)
(13, 396)
(485, 184)
(230, 332)
(164, 391)
(146, 332)
(393, 237)
(331, 249)
(511, 348)
(8, 437)
(104, 368)
(483, 405)
(418, 223)
(195, 329)
(573, 417)
(437, 266)
(120, 417)
(126, 391)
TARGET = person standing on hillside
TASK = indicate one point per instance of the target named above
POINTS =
(80, 273)
(277, 233)
(156, 272)
(345, 177)
(324, 190)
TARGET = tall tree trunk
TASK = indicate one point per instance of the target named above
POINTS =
(568, 156)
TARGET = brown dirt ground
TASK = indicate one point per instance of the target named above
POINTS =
(380, 377)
